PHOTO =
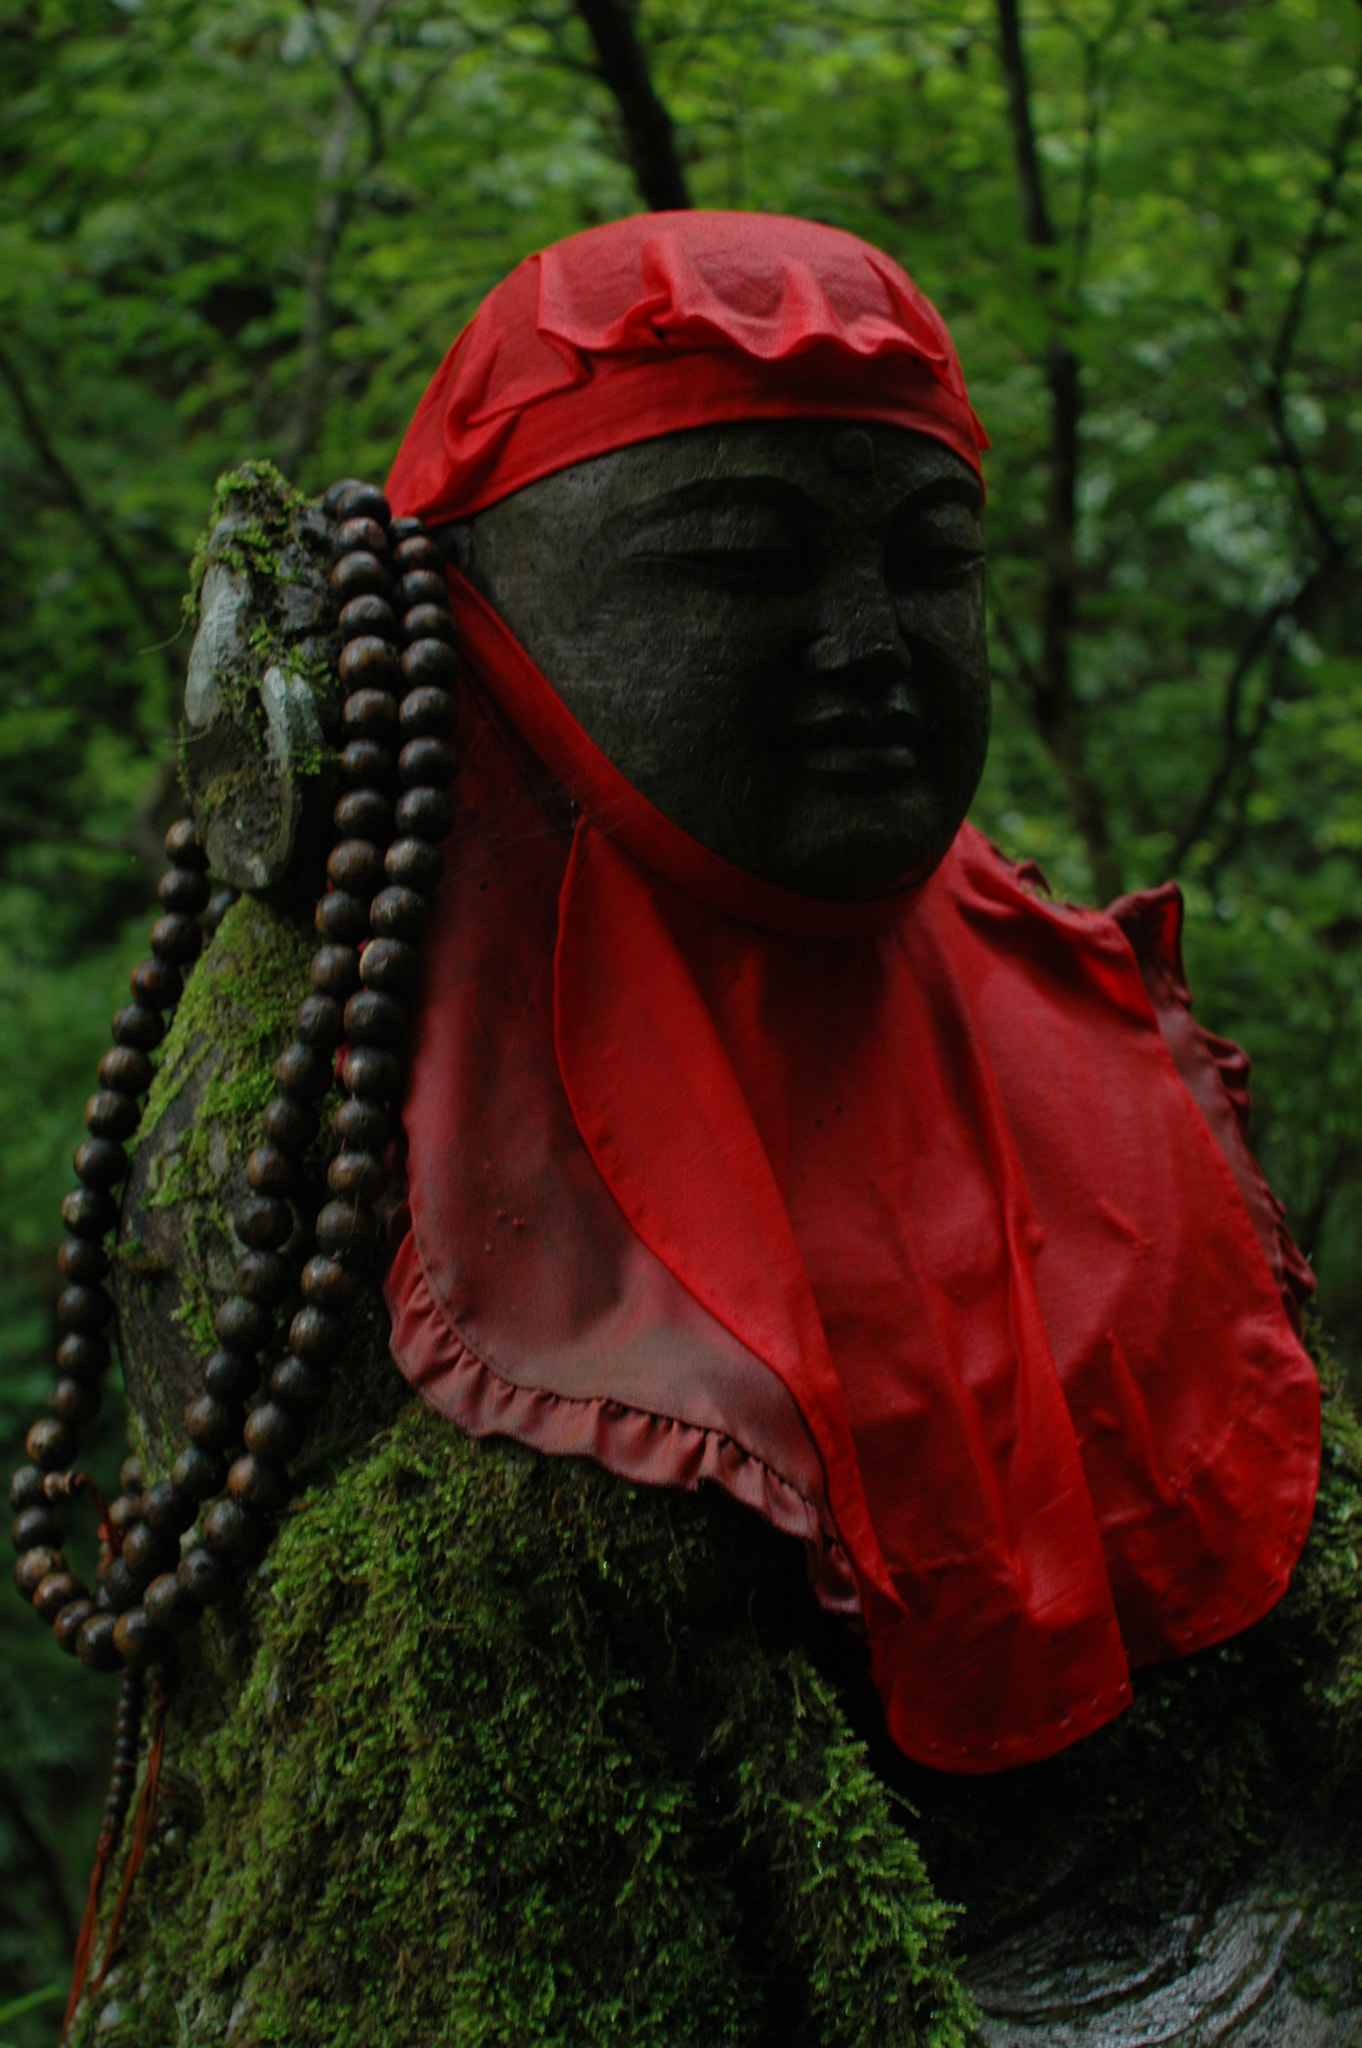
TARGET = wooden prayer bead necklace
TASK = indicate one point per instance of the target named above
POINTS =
(397, 661)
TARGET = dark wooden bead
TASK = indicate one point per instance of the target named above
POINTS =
(199, 1473)
(342, 1227)
(219, 903)
(408, 527)
(101, 1162)
(139, 1026)
(211, 1424)
(371, 1018)
(95, 1643)
(414, 864)
(331, 500)
(34, 1566)
(299, 1383)
(419, 551)
(165, 1507)
(425, 761)
(131, 1476)
(341, 918)
(242, 1325)
(89, 1212)
(389, 965)
(398, 913)
(425, 813)
(184, 847)
(364, 814)
(148, 1551)
(318, 1022)
(176, 938)
(363, 1126)
(329, 1285)
(124, 1512)
(427, 713)
(85, 1310)
(230, 1375)
(264, 1224)
(421, 587)
(203, 1575)
(360, 532)
(367, 765)
(271, 1171)
(171, 1606)
(54, 1592)
(430, 663)
(233, 1531)
(429, 622)
(299, 1071)
(289, 1124)
(358, 572)
(368, 666)
(356, 865)
(127, 1070)
(335, 970)
(257, 1483)
(37, 1527)
(274, 1432)
(120, 1585)
(377, 1075)
(371, 715)
(366, 615)
(364, 501)
(69, 1623)
(316, 1335)
(111, 1114)
(26, 1489)
(137, 1639)
(51, 1444)
(183, 890)
(157, 983)
(265, 1277)
(357, 1176)
(75, 1401)
(82, 1261)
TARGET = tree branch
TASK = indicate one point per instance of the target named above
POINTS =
(1051, 680)
(623, 68)
(73, 493)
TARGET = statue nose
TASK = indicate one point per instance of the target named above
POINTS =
(857, 630)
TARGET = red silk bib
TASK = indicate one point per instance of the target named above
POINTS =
(926, 1228)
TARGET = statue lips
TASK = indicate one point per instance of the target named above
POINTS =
(839, 739)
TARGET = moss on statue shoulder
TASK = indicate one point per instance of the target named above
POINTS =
(511, 1765)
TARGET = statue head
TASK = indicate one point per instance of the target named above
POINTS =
(719, 475)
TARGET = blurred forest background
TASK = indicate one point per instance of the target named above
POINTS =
(252, 227)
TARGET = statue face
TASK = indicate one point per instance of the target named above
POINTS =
(774, 629)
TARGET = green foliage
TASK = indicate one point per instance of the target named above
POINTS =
(241, 231)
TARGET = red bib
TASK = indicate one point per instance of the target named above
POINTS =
(926, 1228)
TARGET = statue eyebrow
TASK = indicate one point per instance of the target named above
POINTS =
(711, 491)
(943, 490)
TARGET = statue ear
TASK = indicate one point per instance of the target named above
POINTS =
(262, 709)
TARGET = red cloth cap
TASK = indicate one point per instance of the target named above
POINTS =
(672, 320)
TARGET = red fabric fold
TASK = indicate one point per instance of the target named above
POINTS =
(664, 321)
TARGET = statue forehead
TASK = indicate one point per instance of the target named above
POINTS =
(841, 467)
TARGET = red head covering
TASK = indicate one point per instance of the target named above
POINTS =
(674, 320)
(927, 1228)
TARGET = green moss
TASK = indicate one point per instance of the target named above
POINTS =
(265, 502)
(510, 1766)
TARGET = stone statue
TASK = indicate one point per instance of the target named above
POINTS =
(518, 1733)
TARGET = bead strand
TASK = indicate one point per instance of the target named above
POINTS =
(80, 1623)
